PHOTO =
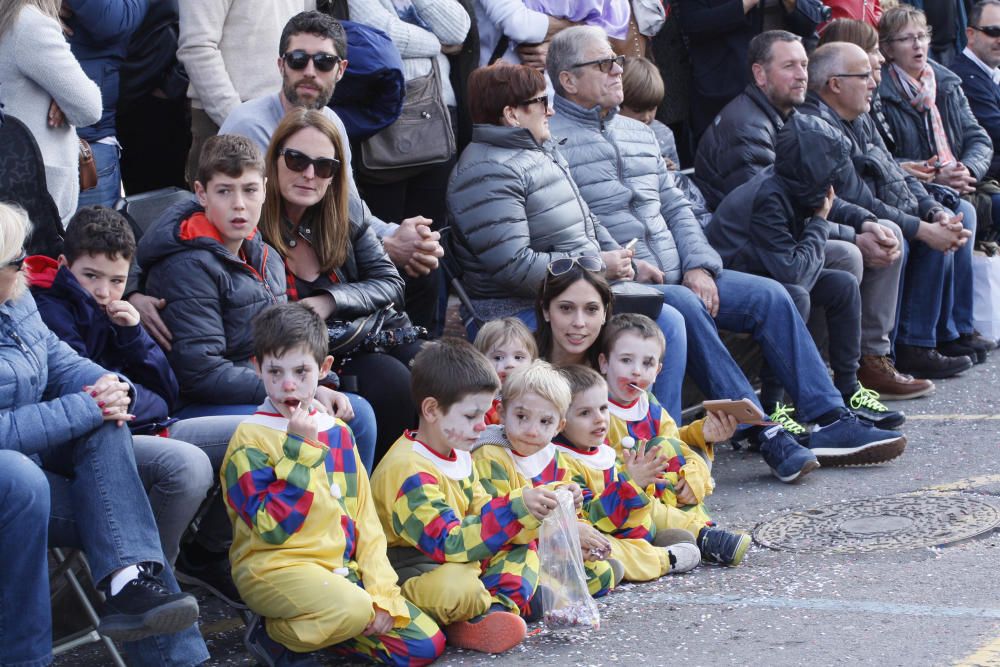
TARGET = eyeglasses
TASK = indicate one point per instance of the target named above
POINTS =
(988, 30)
(18, 261)
(859, 75)
(544, 100)
(323, 167)
(564, 265)
(604, 64)
(919, 38)
(298, 59)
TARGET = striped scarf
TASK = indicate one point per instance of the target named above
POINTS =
(922, 95)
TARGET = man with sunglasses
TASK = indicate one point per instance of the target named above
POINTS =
(312, 59)
(977, 65)
(618, 168)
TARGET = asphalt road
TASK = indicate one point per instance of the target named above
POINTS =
(911, 604)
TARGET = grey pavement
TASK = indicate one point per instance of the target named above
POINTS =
(936, 604)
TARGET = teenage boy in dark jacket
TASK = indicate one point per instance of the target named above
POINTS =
(784, 237)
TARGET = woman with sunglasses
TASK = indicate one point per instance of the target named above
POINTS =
(335, 264)
(937, 139)
(45, 87)
(517, 216)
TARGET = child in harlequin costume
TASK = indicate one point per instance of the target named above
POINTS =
(632, 348)
(308, 553)
(509, 345)
(535, 401)
(614, 498)
(464, 557)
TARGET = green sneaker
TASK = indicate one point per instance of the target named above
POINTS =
(782, 416)
(865, 404)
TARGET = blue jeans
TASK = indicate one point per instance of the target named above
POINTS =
(363, 425)
(109, 177)
(98, 505)
(761, 307)
(667, 388)
(177, 477)
(936, 301)
(25, 611)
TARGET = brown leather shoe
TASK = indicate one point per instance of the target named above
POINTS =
(878, 374)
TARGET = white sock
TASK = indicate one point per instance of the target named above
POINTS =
(122, 577)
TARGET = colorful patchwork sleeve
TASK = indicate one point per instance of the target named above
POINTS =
(422, 516)
(273, 498)
(377, 575)
(493, 475)
(621, 506)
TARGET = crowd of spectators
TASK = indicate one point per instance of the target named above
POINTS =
(815, 175)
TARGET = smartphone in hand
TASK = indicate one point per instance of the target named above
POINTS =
(744, 410)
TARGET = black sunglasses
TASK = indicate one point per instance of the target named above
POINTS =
(323, 167)
(988, 30)
(298, 59)
(544, 99)
(18, 261)
(605, 64)
(563, 265)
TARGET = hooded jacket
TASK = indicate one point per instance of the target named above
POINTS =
(969, 142)
(617, 165)
(515, 208)
(212, 297)
(768, 226)
(72, 314)
(876, 182)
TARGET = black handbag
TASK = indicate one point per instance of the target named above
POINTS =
(632, 297)
(421, 137)
(381, 330)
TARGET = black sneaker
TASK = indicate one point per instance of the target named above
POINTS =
(722, 547)
(926, 362)
(865, 404)
(144, 607)
(266, 651)
(956, 348)
(213, 575)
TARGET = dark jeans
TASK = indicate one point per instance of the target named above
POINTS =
(836, 293)
(384, 380)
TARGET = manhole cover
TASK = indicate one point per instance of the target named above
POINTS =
(906, 521)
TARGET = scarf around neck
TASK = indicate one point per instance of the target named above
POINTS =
(922, 95)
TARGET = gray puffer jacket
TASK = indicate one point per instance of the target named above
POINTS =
(969, 141)
(617, 165)
(514, 208)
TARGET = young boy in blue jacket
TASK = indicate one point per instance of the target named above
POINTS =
(79, 297)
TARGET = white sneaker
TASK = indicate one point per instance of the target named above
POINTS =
(684, 557)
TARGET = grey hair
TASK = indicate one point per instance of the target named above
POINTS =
(826, 61)
(566, 49)
(976, 14)
(14, 231)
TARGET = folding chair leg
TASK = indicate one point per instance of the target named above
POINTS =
(93, 635)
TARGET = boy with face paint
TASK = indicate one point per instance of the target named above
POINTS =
(463, 556)
(309, 554)
(631, 349)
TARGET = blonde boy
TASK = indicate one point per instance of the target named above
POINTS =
(309, 554)
(536, 398)
(468, 557)
(632, 348)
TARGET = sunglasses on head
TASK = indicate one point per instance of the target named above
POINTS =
(18, 262)
(564, 265)
(323, 167)
(988, 30)
(298, 59)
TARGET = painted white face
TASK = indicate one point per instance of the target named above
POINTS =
(291, 379)
(631, 366)
(462, 423)
(508, 356)
(587, 421)
(530, 423)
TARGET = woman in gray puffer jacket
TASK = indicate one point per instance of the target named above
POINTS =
(513, 205)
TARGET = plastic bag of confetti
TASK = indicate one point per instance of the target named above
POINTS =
(562, 582)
